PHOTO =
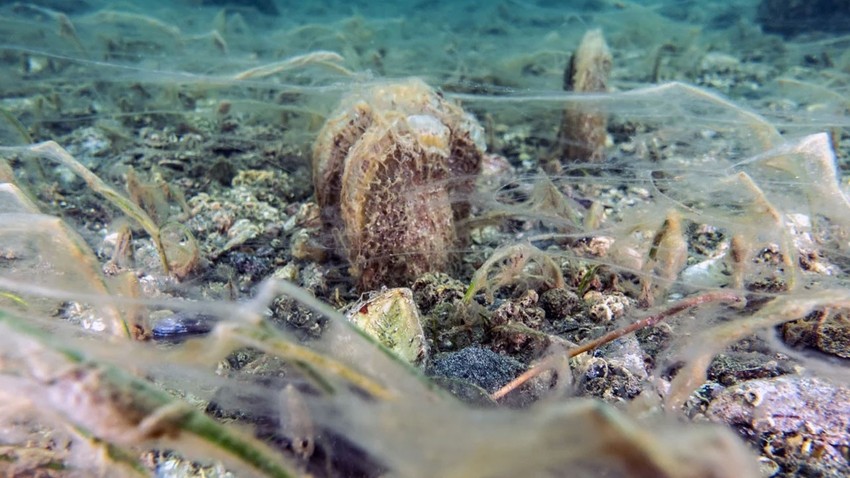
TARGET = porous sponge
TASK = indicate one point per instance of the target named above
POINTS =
(393, 168)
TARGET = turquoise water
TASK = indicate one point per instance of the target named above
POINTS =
(463, 45)
(507, 47)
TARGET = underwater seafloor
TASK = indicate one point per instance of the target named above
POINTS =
(199, 197)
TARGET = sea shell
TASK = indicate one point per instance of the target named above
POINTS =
(393, 168)
(583, 133)
(392, 318)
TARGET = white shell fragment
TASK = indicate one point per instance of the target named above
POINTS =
(432, 134)
(392, 318)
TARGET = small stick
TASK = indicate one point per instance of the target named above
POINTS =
(682, 305)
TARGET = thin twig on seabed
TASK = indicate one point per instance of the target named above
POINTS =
(680, 306)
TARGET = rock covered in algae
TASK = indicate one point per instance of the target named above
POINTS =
(827, 331)
(392, 318)
(393, 168)
(788, 409)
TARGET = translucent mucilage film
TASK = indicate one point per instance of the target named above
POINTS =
(515, 239)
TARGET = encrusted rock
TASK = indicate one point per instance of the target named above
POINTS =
(560, 303)
(826, 331)
(790, 409)
(436, 288)
(516, 325)
(607, 307)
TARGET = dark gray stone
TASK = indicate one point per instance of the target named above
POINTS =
(790, 18)
(477, 365)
